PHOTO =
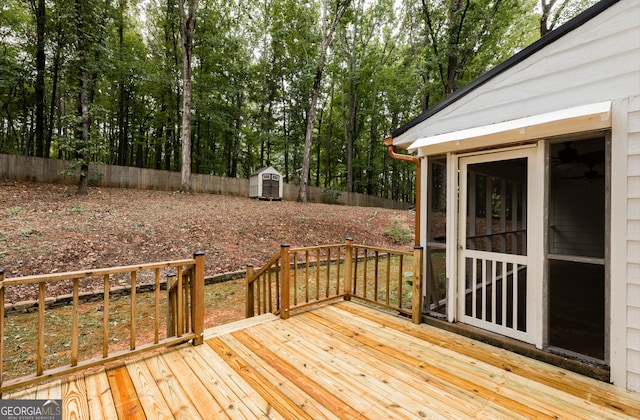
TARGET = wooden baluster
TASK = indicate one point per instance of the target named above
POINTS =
(258, 282)
(388, 277)
(186, 302)
(306, 276)
(400, 278)
(171, 305)
(270, 293)
(74, 323)
(295, 278)
(354, 279)
(179, 302)
(277, 298)
(132, 336)
(286, 274)
(105, 317)
(197, 299)
(416, 295)
(375, 279)
(348, 264)
(318, 274)
(1, 326)
(338, 264)
(328, 266)
(249, 309)
(156, 332)
(265, 280)
(40, 355)
(364, 274)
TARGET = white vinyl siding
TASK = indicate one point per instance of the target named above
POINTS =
(633, 246)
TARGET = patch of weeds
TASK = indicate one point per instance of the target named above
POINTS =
(76, 210)
(398, 233)
(28, 232)
(12, 211)
(150, 232)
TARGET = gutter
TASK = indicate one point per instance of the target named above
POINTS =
(408, 158)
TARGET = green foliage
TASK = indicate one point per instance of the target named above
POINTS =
(253, 70)
(398, 233)
(12, 211)
(330, 196)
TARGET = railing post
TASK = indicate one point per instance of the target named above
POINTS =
(250, 310)
(172, 304)
(348, 268)
(197, 299)
(286, 277)
(416, 294)
(1, 326)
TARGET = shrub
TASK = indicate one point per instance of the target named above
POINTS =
(330, 196)
(398, 233)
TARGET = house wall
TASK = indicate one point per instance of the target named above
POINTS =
(633, 246)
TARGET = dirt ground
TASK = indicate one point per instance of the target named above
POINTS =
(47, 228)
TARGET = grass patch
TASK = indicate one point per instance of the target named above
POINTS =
(13, 211)
(398, 234)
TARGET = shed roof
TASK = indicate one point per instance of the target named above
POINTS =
(551, 37)
(259, 171)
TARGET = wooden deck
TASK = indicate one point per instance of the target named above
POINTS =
(338, 361)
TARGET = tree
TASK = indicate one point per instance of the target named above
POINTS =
(555, 13)
(187, 28)
(459, 31)
(328, 29)
(39, 11)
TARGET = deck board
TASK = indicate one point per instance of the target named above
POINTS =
(340, 361)
(99, 396)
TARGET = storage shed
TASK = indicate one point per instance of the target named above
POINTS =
(531, 213)
(266, 183)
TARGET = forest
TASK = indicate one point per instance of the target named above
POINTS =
(226, 87)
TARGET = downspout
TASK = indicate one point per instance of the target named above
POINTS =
(392, 153)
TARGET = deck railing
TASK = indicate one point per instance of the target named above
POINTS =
(183, 303)
(299, 277)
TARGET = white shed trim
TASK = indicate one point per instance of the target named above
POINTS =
(571, 120)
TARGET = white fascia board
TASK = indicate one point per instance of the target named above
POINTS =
(571, 120)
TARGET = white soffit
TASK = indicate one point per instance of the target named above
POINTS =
(571, 120)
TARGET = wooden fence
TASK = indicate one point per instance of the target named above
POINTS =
(298, 277)
(26, 168)
(184, 305)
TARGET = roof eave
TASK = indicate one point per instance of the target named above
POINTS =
(551, 37)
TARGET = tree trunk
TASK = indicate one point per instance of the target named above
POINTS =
(83, 106)
(40, 12)
(187, 27)
(327, 35)
(54, 89)
(327, 152)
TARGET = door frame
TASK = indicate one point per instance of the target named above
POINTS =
(535, 153)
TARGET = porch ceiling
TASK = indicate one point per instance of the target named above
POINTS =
(572, 120)
(339, 361)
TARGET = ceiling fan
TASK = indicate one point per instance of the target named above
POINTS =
(571, 160)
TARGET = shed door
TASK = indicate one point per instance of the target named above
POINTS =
(493, 288)
(270, 185)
